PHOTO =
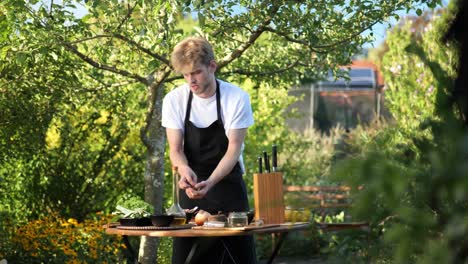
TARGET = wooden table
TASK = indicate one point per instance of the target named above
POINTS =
(282, 230)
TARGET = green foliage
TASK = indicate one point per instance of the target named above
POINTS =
(131, 206)
(89, 152)
(308, 157)
(403, 69)
(131, 201)
(350, 246)
(414, 171)
(165, 250)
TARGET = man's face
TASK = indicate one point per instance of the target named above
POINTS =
(201, 79)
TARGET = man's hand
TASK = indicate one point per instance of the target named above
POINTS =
(188, 178)
(229, 160)
(199, 190)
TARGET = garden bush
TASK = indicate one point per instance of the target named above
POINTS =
(53, 239)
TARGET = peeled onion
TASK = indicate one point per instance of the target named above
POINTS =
(201, 217)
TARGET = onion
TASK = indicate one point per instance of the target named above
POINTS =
(201, 217)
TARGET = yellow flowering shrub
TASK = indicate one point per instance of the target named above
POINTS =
(52, 239)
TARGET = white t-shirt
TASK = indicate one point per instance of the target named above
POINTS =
(236, 111)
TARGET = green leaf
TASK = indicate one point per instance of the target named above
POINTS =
(21, 57)
(153, 64)
(4, 52)
(4, 29)
(54, 56)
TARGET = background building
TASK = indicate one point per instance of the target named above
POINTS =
(357, 98)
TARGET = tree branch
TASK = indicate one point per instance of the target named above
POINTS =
(252, 38)
(173, 78)
(251, 73)
(129, 41)
(129, 13)
(332, 45)
(294, 40)
(288, 38)
(105, 67)
(162, 77)
(89, 38)
(105, 85)
(317, 48)
(50, 9)
(145, 50)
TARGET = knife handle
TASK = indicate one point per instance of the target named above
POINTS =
(274, 158)
(267, 162)
(259, 164)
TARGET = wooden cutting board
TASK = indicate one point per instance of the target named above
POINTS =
(242, 228)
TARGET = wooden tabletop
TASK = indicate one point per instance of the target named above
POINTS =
(208, 232)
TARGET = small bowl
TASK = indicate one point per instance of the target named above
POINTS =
(189, 216)
(144, 221)
(161, 220)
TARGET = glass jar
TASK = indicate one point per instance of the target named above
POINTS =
(237, 219)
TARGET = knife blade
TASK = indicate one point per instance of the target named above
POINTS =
(267, 162)
(274, 158)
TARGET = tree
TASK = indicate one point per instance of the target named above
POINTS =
(276, 42)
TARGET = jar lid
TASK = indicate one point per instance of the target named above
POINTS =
(238, 214)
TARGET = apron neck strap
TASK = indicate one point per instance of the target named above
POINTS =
(218, 100)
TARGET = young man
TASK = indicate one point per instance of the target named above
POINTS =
(206, 122)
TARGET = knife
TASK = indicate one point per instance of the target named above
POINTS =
(259, 164)
(274, 158)
(267, 162)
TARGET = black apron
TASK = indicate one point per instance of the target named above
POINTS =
(204, 149)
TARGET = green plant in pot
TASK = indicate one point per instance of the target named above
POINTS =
(131, 210)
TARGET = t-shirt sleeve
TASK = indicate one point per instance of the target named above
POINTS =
(243, 117)
(170, 113)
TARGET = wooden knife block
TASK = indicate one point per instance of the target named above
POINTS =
(268, 197)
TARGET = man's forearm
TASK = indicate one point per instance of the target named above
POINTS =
(188, 177)
(178, 158)
(225, 166)
(231, 157)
